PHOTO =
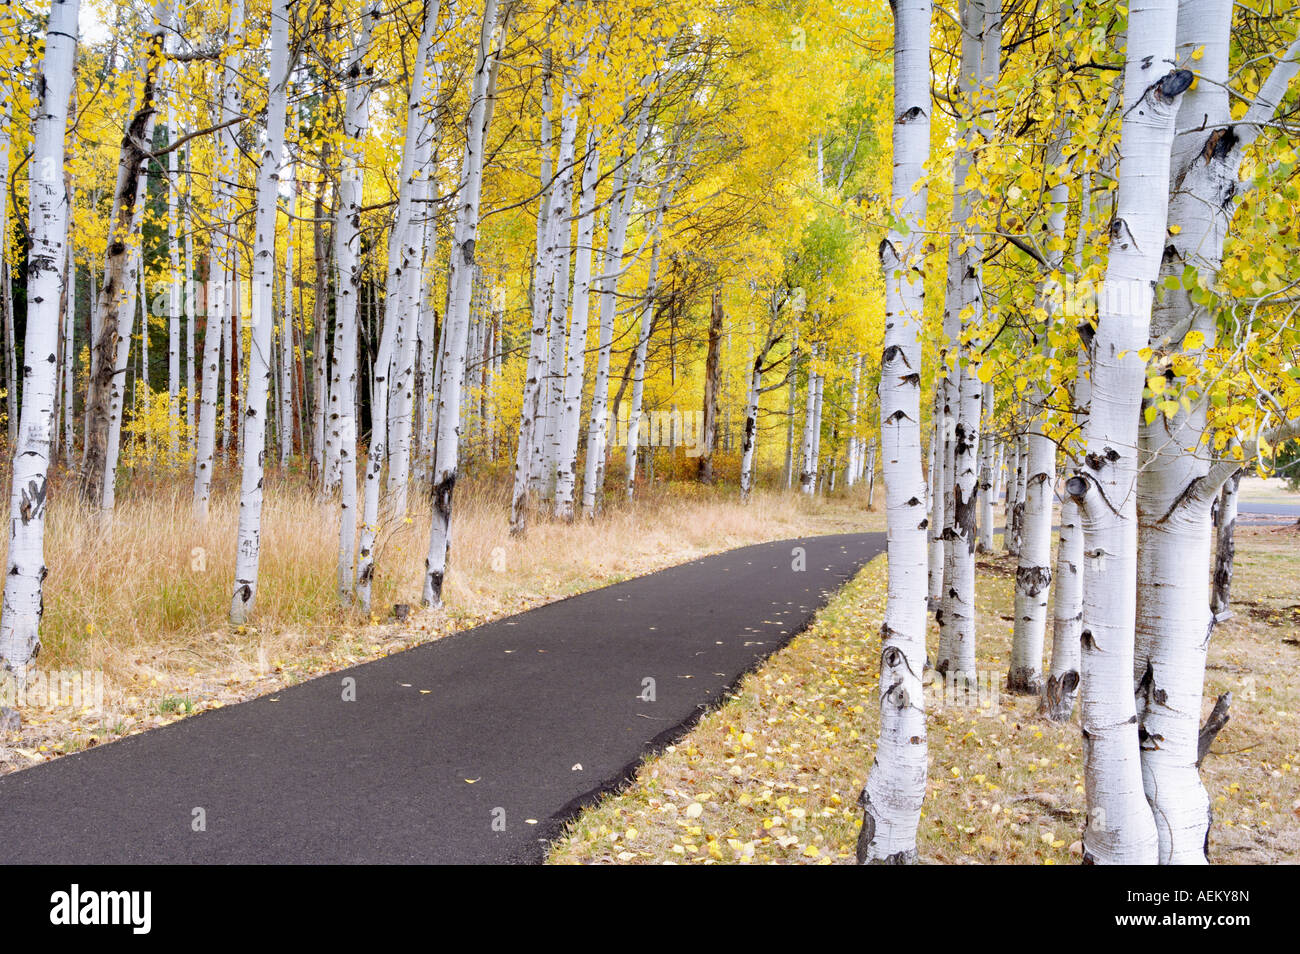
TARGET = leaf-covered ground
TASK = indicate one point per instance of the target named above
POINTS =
(772, 776)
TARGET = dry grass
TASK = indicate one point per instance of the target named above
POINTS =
(144, 600)
(773, 774)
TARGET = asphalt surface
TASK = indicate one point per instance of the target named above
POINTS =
(476, 748)
(1253, 512)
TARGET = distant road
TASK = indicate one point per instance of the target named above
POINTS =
(1269, 509)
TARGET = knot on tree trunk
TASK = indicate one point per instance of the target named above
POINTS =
(1057, 702)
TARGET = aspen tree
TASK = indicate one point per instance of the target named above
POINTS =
(895, 789)
(116, 296)
(48, 209)
(262, 314)
(1177, 481)
(469, 194)
(341, 422)
(219, 297)
(626, 178)
(404, 256)
(571, 407)
(1120, 828)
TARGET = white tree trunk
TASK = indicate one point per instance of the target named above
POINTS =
(427, 348)
(808, 466)
(981, 31)
(545, 461)
(817, 427)
(1016, 495)
(414, 301)
(792, 395)
(528, 452)
(870, 473)
(751, 429)
(48, 211)
(679, 157)
(341, 424)
(69, 343)
(404, 259)
(639, 359)
(11, 358)
(936, 503)
(1176, 486)
(1007, 467)
(626, 178)
(854, 448)
(6, 295)
(1062, 683)
(895, 788)
(1063, 674)
(174, 286)
(1033, 568)
(191, 398)
(477, 121)
(1120, 828)
(1225, 549)
(230, 337)
(262, 314)
(571, 409)
(286, 328)
(117, 392)
(219, 294)
(143, 375)
(120, 282)
(988, 474)
(325, 279)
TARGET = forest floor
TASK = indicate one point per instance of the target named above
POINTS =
(773, 775)
(139, 607)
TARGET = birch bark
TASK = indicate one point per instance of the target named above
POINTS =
(1062, 683)
(1177, 483)
(341, 423)
(571, 409)
(48, 211)
(981, 33)
(1120, 827)
(174, 286)
(404, 258)
(895, 789)
(527, 460)
(119, 283)
(286, 328)
(1225, 549)
(477, 121)
(988, 475)
(262, 316)
(626, 178)
(219, 292)
(1033, 567)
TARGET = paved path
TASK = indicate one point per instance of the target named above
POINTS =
(543, 711)
(1251, 511)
